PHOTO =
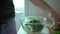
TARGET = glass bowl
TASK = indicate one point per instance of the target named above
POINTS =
(33, 24)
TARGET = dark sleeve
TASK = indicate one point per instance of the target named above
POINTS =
(7, 9)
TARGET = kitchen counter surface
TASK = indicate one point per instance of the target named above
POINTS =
(21, 31)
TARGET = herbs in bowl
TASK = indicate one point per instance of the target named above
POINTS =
(33, 25)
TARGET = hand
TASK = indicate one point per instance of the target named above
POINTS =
(40, 4)
(36, 2)
(56, 18)
(54, 15)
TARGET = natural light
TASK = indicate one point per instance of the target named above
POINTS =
(19, 11)
(19, 6)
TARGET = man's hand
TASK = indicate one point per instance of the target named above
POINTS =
(40, 3)
(56, 19)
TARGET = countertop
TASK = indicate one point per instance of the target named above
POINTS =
(21, 31)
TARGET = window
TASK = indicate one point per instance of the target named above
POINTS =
(19, 6)
(19, 11)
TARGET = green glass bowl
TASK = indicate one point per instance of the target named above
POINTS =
(33, 24)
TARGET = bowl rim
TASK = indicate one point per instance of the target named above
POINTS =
(34, 16)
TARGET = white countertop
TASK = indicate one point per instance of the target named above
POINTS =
(21, 31)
